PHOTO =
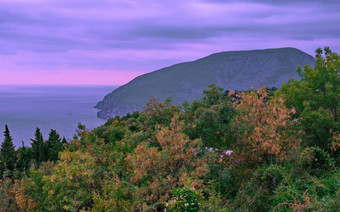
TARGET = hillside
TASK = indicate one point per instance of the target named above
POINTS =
(235, 70)
(252, 150)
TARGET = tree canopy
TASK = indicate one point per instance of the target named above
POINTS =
(228, 151)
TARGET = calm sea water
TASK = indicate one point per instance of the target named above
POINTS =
(23, 108)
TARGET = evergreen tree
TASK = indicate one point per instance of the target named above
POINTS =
(24, 157)
(64, 141)
(8, 155)
(38, 149)
(53, 145)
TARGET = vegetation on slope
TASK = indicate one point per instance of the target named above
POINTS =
(229, 151)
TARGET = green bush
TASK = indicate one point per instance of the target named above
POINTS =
(184, 199)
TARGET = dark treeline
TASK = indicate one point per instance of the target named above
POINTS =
(258, 150)
(14, 163)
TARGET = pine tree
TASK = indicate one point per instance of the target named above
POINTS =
(53, 145)
(64, 141)
(38, 148)
(24, 157)
(8, 157)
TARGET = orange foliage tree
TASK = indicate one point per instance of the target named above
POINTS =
(158, 170)
(262, 125)
(13, 198)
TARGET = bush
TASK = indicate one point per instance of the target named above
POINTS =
(185, 199)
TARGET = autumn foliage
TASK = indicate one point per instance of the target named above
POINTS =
(228, 151)
(158, 170)
(263, 126)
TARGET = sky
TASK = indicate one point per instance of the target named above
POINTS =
(109, 42)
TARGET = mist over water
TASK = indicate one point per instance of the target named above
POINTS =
(23, 108)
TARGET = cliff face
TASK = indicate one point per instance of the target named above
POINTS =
(236, 70)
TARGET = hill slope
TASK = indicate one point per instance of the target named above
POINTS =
(236, 70)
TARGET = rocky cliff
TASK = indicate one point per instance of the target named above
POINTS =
(235, 70)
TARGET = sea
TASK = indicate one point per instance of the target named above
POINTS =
(24, 108)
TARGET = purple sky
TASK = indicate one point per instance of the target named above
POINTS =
(113, 41)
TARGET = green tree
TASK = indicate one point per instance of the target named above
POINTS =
(316, 98)
(24, 157)
(38, 149)
(53, 146)
(64, 141)
(209, 118)
(8, 155)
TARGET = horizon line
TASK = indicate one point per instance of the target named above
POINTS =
(60, 85)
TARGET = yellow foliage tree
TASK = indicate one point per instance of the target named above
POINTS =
(71, 186)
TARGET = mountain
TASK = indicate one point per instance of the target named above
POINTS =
(234, 70)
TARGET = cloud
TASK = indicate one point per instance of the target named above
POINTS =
(276, 2)
(144, 35)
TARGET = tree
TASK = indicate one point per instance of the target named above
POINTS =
(262, 127)
(53, 146)
(8, 157)
(209, 118)
(316, 97)
(64, 141)
(158, 170)
(24, 157)
(72, 183)
(38, 148)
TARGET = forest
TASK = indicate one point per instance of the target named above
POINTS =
(257, 150)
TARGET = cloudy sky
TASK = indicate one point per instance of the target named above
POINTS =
(113, 41)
